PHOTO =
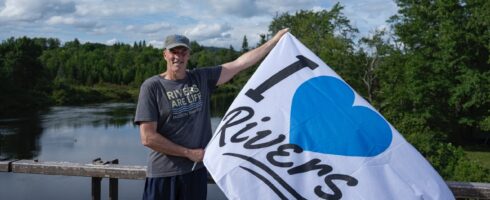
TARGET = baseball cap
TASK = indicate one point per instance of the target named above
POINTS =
(176, 40)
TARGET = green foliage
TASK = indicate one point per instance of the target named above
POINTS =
(450, 161)
(478, 153)
(22, 81)
(444, 73)
(327, 33)
(330, 36)
(429, 78)
(88, 64)
(433, 79)
(470, 171)
(429, 75)
(38, 72)
(66, 94)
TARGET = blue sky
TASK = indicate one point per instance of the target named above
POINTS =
(209, 22)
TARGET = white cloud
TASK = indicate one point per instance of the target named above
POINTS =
(76, 22)
(369, 15)
(209, 22)
(113, 8)
(240, 8)
(254, 8)
(281, 6)
(155, 27)
(130, 27)
(102, 30)
(208, 31)
(21, 10)
(60, 20)
(156, 43)
(112, 41)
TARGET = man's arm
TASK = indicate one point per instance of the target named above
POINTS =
(153, 140)
(248, 59)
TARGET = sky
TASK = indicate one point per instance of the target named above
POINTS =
(209, 22)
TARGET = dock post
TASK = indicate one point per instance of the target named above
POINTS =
(96, 188)
(113, 184)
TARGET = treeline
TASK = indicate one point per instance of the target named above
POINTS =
(429, 74)
(36, 72)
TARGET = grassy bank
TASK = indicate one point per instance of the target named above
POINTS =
(76, 95)
(480, 154)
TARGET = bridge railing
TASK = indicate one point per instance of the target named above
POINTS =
(112, 170)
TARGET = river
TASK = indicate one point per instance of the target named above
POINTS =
(74, 134)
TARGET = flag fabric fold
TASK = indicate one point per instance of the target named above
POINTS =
(298, 131)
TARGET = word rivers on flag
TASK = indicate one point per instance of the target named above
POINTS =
(298, 131)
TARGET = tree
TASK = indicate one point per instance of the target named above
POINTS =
(245, 47)
(329, 35)
(23, 75)
(262, 40)
(446, 76)
(373, 50)
(434, 81)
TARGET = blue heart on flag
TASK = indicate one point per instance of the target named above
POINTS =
(324, 120)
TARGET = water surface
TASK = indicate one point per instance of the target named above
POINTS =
(74, 134)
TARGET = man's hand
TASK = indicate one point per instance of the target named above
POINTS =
(195, 155)
(279, 34)
(248, 59)
(151, 139)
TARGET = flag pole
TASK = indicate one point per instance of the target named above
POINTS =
(194, 166)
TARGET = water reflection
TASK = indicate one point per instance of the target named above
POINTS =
(20, 136)
(74, 134)
(97, 115)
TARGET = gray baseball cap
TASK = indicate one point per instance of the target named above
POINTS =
(176, 40)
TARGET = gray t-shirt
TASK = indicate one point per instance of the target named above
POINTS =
(182, 111)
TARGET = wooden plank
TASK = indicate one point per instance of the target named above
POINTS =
(4, 166)
(459, 189)
(77, 169)
(470, 189)
(113, 189)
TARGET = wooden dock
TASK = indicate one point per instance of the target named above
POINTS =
(112, 170)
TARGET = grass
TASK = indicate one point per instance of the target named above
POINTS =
(479, 154)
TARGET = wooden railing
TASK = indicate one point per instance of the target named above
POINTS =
(96, 170)
(99, 169)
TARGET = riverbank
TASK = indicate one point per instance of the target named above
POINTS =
(99, 93)
(66, 95)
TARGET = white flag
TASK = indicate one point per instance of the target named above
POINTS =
(298, 131)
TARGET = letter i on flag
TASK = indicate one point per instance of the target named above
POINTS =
(298, 131)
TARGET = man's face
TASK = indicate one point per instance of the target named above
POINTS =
(176, 57)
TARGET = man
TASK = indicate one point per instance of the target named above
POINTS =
(174, 118)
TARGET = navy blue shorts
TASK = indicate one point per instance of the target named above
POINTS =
(190, 186)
